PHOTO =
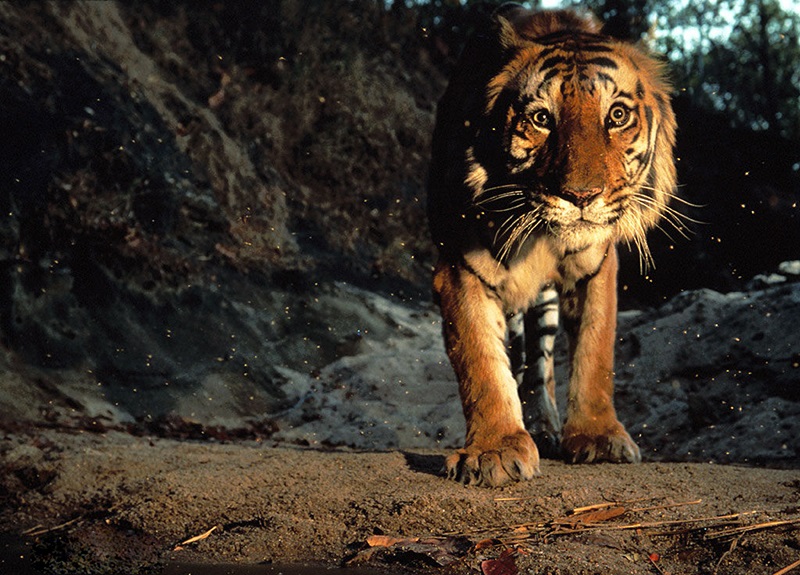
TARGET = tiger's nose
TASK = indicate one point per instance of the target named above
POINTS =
(581, 197)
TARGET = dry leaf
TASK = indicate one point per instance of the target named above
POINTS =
(600, 515)
(590, 517)
(486, 543)
(503, 565)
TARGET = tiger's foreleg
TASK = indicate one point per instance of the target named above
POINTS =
(498, 449)
(592, 431)
(537, 389)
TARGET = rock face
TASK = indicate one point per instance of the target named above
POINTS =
(212, 222)
(713, 376)
(181, 186)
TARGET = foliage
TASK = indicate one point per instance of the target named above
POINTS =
(625, 19)
(748, 70)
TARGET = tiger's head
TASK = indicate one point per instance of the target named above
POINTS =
(550, 128)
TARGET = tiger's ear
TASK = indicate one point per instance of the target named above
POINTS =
(503, 19)
(517, 25)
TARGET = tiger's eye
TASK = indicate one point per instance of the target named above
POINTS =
(541, 119)
(618, 116)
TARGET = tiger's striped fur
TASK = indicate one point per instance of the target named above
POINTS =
(535, 370)
(552, 144)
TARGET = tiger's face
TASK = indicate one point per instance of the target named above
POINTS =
(569, 144)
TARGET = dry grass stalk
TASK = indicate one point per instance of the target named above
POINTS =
(600, 517)
(39, 530)
(654, 564)
(596, 506)
(788, 568)
(652, 524)
(199, 537)
(748, 528)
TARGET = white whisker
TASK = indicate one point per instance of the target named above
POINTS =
(674, 196)
(654, 205)
(674, 218)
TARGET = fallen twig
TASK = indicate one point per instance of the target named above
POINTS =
(654, 564)
(199, 537)
(730, 550)
(39, 530)
(788, 568)
(605, 504)
(665, 523)
(749, 528)
(585, 517)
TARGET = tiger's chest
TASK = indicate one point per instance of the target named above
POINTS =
(544, 262)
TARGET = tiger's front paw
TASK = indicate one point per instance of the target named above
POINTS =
(511, 458)
(587, 446)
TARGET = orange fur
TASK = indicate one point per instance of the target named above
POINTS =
(513, 209)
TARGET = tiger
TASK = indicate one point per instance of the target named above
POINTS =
(552, 144)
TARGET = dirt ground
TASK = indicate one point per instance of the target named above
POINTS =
(112, 502)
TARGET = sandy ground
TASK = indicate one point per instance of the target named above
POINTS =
(115, 503)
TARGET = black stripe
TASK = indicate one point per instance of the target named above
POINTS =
(603, 62)
(633, 125)
(640, 157)
(549, 330)
(644, 161)
(648, 114)
(596, 48)
(551, 74)
(547, 51)
(557, 37)
(552, 62)
(662, 103)
(471, 270)
(542, 87)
